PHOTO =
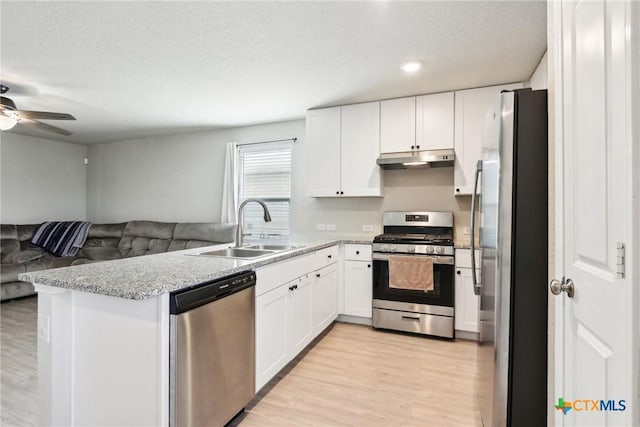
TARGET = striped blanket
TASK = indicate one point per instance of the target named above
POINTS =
(61, 238)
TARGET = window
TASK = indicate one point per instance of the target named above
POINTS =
(264, 172)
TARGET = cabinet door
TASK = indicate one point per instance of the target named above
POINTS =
(357, 288)
(360, 147)
(323, 155)
(398, 125)
(299, 322)
(434, 121)
(325, 298)
(466, 302)
(471, 107)
(271, 334)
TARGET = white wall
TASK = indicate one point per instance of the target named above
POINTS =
(41, 180)
(539, 79)
(179, 178)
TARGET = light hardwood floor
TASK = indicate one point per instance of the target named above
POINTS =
(18, 363)
(352, 376)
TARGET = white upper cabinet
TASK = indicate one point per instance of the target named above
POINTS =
(323, 137)
(360, 174)
(344, 143)
(398, 125)
(434, 121)
(471, 107)
(417, 123)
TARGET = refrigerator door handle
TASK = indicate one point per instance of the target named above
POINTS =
(476, 285)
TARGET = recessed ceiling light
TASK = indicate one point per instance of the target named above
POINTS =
(412, 66)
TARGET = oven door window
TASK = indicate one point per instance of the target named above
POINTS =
(442, 294)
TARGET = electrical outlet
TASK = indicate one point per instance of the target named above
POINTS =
(321, 227)
(331, 227)
(367, 227)
(467, 231)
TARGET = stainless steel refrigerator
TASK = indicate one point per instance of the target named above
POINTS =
(512, 284)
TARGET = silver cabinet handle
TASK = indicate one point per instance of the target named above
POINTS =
(559, 286)
(412, 319)
(476, 284)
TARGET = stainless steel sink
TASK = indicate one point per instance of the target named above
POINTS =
(238, 253)
(268, 247)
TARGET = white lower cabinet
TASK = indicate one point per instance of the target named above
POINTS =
(299, 322)
(271, 334)
(290, 315)
(467, 303)
(325, 298)
(357, 288)
(357, 280)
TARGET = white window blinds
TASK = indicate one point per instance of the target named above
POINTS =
(264, 172)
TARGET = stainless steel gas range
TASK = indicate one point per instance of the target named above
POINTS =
(409, 237)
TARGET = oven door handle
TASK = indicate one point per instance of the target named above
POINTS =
(446, 260)
(476, 284)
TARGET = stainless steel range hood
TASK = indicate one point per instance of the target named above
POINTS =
(416, 159)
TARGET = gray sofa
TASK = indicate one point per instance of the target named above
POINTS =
(104, 242)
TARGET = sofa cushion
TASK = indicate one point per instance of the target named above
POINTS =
(102, 254)
(146, 237)
(205, 231)
(18, 257)
(10, 272)
(8, 245)
(189, 235)
(26, 231)
(8, 231)
(107, 230)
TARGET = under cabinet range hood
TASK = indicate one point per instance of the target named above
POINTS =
(416, 159)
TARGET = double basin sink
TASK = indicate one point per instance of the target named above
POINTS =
(250, 251)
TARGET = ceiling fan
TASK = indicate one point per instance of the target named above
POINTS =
(10, 116)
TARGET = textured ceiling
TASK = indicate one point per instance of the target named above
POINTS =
(133, 69)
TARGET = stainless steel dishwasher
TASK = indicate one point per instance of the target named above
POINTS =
(212, 351)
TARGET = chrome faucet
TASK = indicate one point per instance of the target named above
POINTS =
(267, 218)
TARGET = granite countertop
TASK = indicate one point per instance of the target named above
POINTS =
(146, 276)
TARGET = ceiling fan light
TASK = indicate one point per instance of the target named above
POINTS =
(7, 123)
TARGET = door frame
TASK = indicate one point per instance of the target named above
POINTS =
(556, 267)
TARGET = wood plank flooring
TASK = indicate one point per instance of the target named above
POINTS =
(358, 376)
(352, 376)
(18, 362)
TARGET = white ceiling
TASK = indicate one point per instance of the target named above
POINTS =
(133, 69)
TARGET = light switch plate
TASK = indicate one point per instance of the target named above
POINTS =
(321, 227)
(367, 227)
(467, 231)
(331, 227)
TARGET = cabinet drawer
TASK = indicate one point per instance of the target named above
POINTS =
(326, 256)
(273, 275)
(463, 258)
(357, 252)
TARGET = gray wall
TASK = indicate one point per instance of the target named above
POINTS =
(179, 178)
(41, 180)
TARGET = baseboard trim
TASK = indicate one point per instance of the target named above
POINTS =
(346, 318)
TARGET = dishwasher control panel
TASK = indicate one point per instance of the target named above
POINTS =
(206, 292)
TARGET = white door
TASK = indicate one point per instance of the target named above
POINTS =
(271, 334)
(357, 288)
(398, 125)
(323, 157)
(434, 121)
(299, 321)
(360, 147)
(594, 152)
(325, 298)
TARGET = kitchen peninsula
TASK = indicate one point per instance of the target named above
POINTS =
(103, 328)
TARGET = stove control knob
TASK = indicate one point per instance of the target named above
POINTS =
(429, 249)
(439, 249)
(411, 249)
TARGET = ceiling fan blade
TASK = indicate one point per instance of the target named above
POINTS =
(44, 115)
(43, 126)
